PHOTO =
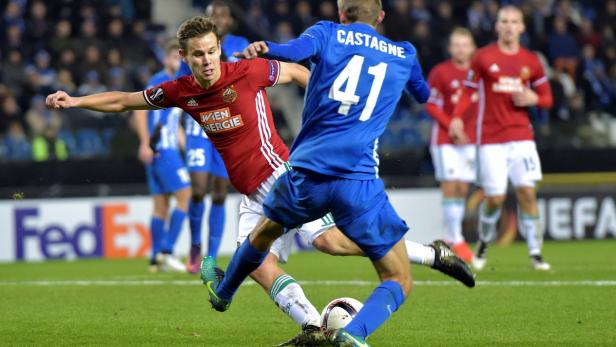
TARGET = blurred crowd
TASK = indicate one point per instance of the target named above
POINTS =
(91, 46)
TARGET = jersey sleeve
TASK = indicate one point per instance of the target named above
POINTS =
(471, 83)
(434, 106)
(539, 83)
(162, 95)
(309, 44)
(263, 72)
(417, 85)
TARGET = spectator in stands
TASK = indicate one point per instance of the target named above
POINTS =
(14, 40)
(419, 11)
(13, 71)
(40, 117)
(65, 81)
(327, 11)
(303, 17)
(140, 52)
(257, 19)
(91, 85)
(33, 86)
(569, 13)
(48, 146)
(587, 34)
(92, 62)
(596, 83)
(398, 25)
(62, 38)
(443, 22)
(42, 66)
(10, 112)
(88, 35)
(284, 32)
(563, 49)
(38, 25)
(13, 15)
(68, 61)
(479, 22)
(428, 49)
(607, 16)
(16, 142)
(115, 36)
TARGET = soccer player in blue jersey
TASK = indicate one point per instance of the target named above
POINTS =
(203, 159)
(357, 77)
(166, 173)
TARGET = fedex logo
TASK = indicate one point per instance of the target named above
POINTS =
(105, 232)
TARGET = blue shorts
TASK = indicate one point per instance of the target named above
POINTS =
(167, 173)
(203, 157)
(361, 208)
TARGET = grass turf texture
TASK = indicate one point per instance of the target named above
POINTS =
(131, 307)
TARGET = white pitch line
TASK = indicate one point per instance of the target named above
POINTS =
(328, 283)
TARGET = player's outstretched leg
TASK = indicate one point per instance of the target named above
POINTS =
(489, 213)
(196, 209)
(246, 259)
(395, 273)
(436, 255)
(216, 219)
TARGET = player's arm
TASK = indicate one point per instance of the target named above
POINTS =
(290, 72)
(307, 45)
(540, 95)
(101, 102)
(417, 85)
(141, 127)
(434, 106)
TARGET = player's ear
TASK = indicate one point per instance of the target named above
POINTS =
(183, 54)
(380, 18)
(342, 17)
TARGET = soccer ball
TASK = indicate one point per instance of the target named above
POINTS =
(339, 312)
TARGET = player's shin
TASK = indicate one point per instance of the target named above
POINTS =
(175, 226)
(157, 230)
(453, 214)
(530, 227)
(290, 298)
(195, 215)
(488, 219)
(216, 228)
(419, 253)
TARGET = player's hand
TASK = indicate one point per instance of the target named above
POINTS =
(456, 132)
(254, 50)
(59, 100)
(525, 98)
(145, 153)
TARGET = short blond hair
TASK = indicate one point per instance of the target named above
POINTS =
(462, 31)
(366, 11)
(510, 8)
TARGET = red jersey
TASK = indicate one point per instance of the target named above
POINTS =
(498, 76)
(446, 82)
(235, 114)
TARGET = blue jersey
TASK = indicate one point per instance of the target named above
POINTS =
(229, 45)
(357, 78)
(168, 118)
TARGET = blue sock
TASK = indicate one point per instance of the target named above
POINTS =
(217, 226)
(245, 260)
(175, 226)
(195, 213)
(382, 303)
(157, 232)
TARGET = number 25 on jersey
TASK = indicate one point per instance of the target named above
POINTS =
(350, 74)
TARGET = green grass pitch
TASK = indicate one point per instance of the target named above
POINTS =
(118, 303)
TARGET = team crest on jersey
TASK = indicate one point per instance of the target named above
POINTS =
(220, 120)
(156, 95)
(229, 94)
(525, 72)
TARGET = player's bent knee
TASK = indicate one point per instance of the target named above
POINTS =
(323, 244)
(218, 198)
(495, 202)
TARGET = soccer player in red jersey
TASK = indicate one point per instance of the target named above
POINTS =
(229, 102)
(509, 79)
(454, 162)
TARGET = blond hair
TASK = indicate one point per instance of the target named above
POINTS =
(366, 11)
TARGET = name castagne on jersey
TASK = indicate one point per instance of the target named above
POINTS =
(352, 38)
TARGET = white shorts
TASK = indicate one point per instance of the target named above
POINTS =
(517, 161)
(454, 163)
(251, 211)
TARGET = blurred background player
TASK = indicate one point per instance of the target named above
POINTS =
(159, 149)
(454, 163)
(203, 159)
(510, 79)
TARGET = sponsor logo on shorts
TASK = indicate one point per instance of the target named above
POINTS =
(156, 95)
(221, 120)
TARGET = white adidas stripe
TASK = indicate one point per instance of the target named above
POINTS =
(266, 146)
(326, 283)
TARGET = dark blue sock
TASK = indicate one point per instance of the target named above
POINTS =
(195, 215)
(245, 260)
(175, 226)
(157, 232)
(217, 226)
(382, 303)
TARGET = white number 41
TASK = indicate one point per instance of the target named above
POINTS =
(350, 75)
